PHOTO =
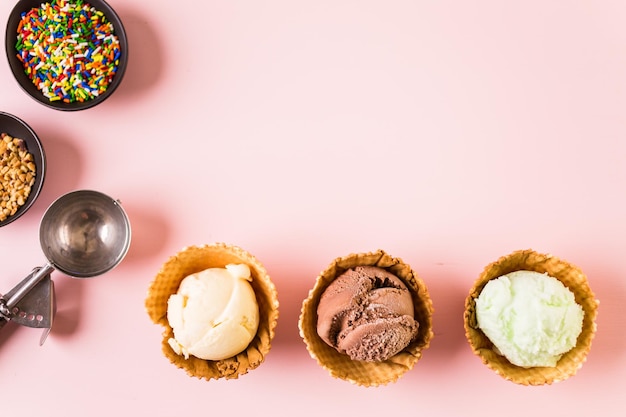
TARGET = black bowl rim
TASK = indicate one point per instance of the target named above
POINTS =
(40, 159)
(26, 84)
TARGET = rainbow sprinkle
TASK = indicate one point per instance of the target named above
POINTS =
(69, 50)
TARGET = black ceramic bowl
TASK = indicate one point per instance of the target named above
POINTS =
(27, 85)
(16, 128)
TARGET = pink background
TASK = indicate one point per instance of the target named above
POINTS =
(447, 133)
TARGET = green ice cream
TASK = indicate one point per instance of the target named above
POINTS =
(531, 318)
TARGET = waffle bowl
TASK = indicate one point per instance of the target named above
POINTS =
(195, 259)
(573, 278)
(363, 373)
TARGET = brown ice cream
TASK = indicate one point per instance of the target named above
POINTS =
(367, 313)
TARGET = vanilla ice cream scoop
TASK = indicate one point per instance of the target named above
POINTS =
(531, 318)
(214, 314)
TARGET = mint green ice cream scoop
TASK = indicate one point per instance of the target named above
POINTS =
(530, 317)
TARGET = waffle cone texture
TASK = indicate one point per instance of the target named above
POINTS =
(359, 372)
(573, 278)
(194, 259)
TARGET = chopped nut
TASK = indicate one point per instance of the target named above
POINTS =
(17, 175)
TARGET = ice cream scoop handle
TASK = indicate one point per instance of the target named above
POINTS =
(27, 284)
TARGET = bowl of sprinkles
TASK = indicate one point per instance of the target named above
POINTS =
(22, 168)
(66, 54)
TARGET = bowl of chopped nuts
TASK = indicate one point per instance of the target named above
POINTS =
(22, 168)
(66, 54)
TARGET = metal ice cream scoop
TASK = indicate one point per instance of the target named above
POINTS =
(82, 234)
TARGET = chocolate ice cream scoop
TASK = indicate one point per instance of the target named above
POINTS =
(367, 313)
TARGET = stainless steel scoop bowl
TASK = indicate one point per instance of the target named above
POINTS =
(82, 234)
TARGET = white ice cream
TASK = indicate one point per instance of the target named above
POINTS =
(215, 314)
(531, 318)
